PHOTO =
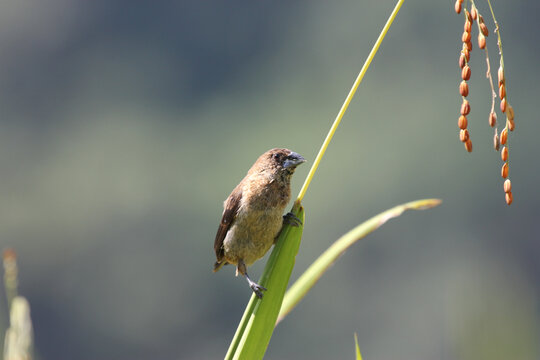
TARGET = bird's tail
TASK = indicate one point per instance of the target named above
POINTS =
(218, 265)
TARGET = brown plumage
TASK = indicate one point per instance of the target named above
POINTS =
(252, 216)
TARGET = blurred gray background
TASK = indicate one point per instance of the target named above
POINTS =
(125, 124)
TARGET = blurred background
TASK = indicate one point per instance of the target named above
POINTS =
(125, 124)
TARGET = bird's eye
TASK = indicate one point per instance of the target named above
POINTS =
(277, 156)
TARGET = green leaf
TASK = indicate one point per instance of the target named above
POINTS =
(306, 281)
(257, 324)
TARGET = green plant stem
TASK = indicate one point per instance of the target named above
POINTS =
(257, 324)
(347, 101)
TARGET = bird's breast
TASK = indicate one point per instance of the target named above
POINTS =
(252, 234)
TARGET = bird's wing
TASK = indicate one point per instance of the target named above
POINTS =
(229, 214)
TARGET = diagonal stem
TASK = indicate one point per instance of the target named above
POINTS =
(347, 101)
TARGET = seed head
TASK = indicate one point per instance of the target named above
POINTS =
(502, 91)
(474, 13)
(496, 143)
(466, 36)
(484, 29)
(492, 119)
(504, 153)
(462, 122)
(510, 118)
(503, 105)
(507, 186)
(466, 72)
(463, 88)
(510, 124)
(468, 15)
(481, 41)
(468, 145)
(504, 136)
(500, 75)
(457, 6)
(465, 107)
(462, 61)
(504, 170)
(467, 26)
(509, 198)
(465, 51)
(510, 112)
(463, 135)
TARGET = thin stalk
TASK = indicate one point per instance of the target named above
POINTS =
(347, 101)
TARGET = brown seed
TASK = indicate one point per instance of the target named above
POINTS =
(502, 91)
(474, 13)
(465, 51)
(463, 135)
(468, 15)
(480, 19)
(492, 119)
(504, 153)
(462, 61)
(510, 112)
(507, 186)
(466, 72)
(503, 105)
(504, 136)
(457, 6)
(467, 26)
(463, 88)
(465, 107)
(496, 142)
(504, 170)
(509, 198)
(468, 145)
(462, 122)
(500, 75)
(469, 45)
(510, 124)
(481, 41)
(466, 36)
(484, 29)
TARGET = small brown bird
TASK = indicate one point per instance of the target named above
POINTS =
(252, 215)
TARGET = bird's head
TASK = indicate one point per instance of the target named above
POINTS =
(282, 160)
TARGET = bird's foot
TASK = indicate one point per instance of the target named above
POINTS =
(291, 219)
(257, 289)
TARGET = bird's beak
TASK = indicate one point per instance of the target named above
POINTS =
(293, 160)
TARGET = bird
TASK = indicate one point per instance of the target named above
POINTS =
(253, 213)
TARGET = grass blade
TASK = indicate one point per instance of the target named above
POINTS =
(305, 282)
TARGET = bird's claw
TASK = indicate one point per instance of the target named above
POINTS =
(257, 289)
(291, 219)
